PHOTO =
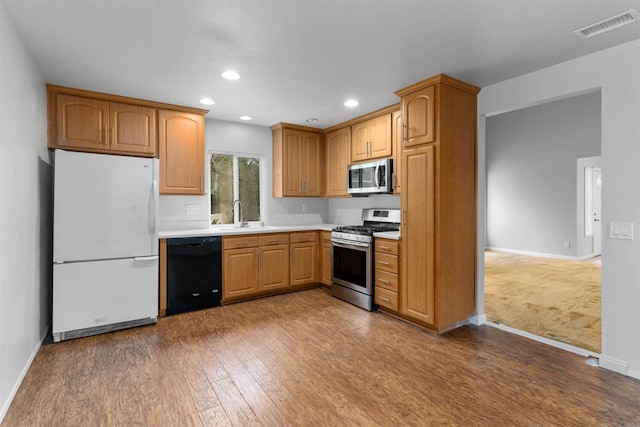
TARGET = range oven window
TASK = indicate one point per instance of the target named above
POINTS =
(350, 265)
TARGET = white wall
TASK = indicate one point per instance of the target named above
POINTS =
(237, 137)
(348, 210)
(616, 72)
(25, 212)
(531, 159)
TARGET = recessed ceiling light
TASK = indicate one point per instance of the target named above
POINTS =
(312, 120)
(351, 103)
(230, 75)
(245, 117)
(207, 101)
(610, 23)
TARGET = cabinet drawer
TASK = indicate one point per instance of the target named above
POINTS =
(273, 239)
(386, 280)
(386, 262)
(303, 237)
(239, 242)
(386, 298)
(386, 246)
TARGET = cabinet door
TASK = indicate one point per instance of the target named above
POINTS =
(418, 112)
(360, 141)
(338, 145)
(380, 136)
(132, 129)
(418, 230)
(240, 273)
(181, 140)
(82, 123)
(396, 141)
(293, 166)
(312, 161)
(303, 263)
(274, 267)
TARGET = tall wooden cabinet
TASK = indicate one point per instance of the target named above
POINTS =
(298, 165)
(438, 202)
(181, 140)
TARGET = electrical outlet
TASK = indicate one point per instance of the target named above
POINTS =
(304, 207)
(192, 209)
(566, 244)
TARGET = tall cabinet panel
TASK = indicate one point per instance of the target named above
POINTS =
(418, 233)
(338, 149)
(438, 202)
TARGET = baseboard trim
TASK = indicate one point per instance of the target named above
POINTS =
(615, 365)
(25, 369)
(541, 254)
(545, 340)
(478, 319)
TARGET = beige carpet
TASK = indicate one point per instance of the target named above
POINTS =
(552, 298)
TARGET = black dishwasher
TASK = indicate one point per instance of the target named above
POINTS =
(194, 273)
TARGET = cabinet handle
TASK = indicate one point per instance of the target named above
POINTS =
(293, 256)
(274, 241)
(385, 299)
(112, 132)
(242, 243)
(405, 136)
(260, 258)
(106, 136)
(384, 263)
(384, 281)
(386, 248)
(404, 217)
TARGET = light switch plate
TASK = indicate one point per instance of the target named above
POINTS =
(621, 230)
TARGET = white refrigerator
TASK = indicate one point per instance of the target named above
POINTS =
(105, 243)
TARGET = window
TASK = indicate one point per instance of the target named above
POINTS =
(236, 177)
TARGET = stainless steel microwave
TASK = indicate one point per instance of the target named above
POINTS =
(370, 178)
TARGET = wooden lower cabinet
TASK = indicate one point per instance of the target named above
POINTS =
(273, 264)
(326, 273)
(386, 274)
(263, 264)
(304, 258)
(240, 273)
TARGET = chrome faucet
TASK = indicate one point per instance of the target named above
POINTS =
(240, 215)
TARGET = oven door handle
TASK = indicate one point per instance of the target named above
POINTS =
(349, 244)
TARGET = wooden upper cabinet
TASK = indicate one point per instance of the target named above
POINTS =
(181, 141)
(396, 141)
(338, 151)
(371, 139)
(81, 123)
(83, 120)
(133, 128)
(96, 125)
(297, 161)
(418, 112)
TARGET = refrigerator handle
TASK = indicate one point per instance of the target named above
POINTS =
(155, 208)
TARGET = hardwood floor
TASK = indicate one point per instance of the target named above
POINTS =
(309, 359)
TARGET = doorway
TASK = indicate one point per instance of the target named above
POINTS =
(543, 220)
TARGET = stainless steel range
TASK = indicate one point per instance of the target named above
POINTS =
(352, 249)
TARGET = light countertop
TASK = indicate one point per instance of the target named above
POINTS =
(230, 231)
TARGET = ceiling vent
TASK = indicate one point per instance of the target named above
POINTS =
(600, 27)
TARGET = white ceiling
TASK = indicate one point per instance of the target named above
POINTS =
(300, 58)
